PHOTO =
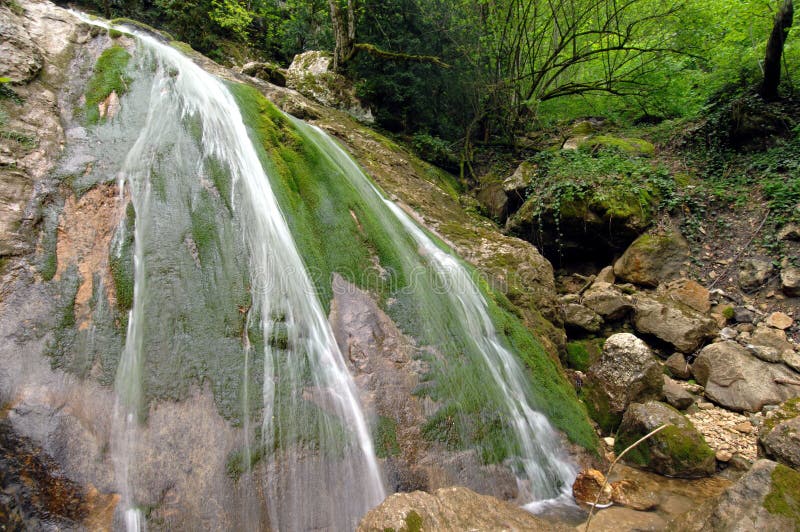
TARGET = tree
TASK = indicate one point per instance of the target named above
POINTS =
(772, 59)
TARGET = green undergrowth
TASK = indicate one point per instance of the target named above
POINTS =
(341, 227)
(581, 354)
(385, 436)
(784, 497)
(109, 76)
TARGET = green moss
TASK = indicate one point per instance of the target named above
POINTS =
(684, 451)
(784, 496)
(60, 347)
(109, 76)
(788, 410)
(114, 34)
(204, 226)
(121, 263)
(728, 313)
(599, 408)
(386, 438)
(123, 21)
(581, 354)
(413, 522)
(184, 48)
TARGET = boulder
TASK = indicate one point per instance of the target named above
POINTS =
(679, 450)
(767, 497)
(618, 518)
(773, 340)
(792, 359)
(678, 366)
(450, 509)
(515, 186)
(779, 436)
(691, 294)
(606, 275)
(651, 259)
(580, 317)
(675, 395)
(627, 372)
(269, 72)
(736, 380)
(494, 200)
(634, 495)
(630, 146)
(754, 272)
(310, 74)
(607, 301)
(790, 281)
(678, 325)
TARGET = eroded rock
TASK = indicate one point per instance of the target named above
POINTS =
(790, 281)
(779, 437)
(680, 326)
(735, 379)
(579, 316)
(607, 301)
(652, 259)
(754, 272)
(676, 396)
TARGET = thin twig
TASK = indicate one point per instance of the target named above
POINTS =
(608, 473)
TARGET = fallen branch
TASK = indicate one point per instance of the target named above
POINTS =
(611, 467)
(781, 380)
(385, 54)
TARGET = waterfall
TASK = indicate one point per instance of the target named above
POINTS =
(320, 465)
(545, 475)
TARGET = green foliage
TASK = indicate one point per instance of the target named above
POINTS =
(232, 16)
(114, 34)
(109, 76)
(435, 150)
(413, 522)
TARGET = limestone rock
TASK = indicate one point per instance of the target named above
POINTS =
(736, 380)
(310, 74)
(676, 451)
(606, 275)
(691, 294)
(779, 437)
(20, 57)
(675, 395)
(269, 72)
(774, 339)
(494, 200)
(587, 485)
(618, 518)
(682, 327)
(608, 301)
(779, 320)
(515, 187)
(450, 509)
(651, 259)
(627, 372)
(754, 272)
(765, 498)
(792, 359)
(790, 281)
(576, 315)
(678, 366)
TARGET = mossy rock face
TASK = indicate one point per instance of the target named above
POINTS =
(679, 450)
(635, 147)
(784, 496)
(109, 77)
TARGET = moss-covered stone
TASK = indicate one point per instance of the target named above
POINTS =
(581, 354)
(679, 450)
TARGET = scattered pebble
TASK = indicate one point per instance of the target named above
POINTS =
(721, 429)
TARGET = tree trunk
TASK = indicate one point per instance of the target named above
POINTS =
(772, 59)
(344, 31)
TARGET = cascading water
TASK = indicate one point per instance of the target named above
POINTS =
(320, 463)
(544, 473)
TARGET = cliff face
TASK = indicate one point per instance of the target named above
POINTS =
(65, 237)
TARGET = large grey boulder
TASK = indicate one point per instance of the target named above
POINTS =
(779, 437)
(676, 395)
(766, 498)
(737, 380)
(627, 372)
(679, 450)
(578, 316)
(673, 323)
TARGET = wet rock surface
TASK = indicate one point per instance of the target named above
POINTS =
(450, 509)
